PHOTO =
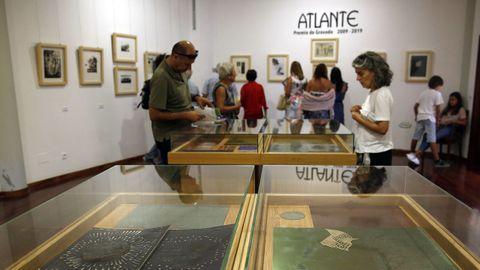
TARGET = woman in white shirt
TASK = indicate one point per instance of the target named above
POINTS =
(373, 139)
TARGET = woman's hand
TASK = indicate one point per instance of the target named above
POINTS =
(355, 108)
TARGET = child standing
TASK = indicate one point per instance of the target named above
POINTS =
(427, 114)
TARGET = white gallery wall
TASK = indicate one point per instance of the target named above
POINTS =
(88, 123)
(93, 126)
(259, 28)
(12, 169)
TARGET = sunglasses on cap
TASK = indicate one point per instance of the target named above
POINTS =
(189, 56)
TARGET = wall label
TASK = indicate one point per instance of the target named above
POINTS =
(336, 22)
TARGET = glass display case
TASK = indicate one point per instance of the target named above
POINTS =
(312, 217)
(313, 141)
(218, 142)
(137, 217)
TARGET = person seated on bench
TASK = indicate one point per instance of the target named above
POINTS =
(452, 119)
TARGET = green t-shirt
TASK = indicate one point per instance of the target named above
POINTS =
(169, 92)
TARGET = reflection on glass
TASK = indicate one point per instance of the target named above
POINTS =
(296, 126)
(334, 125)
(367, 180)
(320, 217)
(252, 123)
(177, 177)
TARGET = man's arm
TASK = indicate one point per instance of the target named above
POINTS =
(201, 101)
(158, 115)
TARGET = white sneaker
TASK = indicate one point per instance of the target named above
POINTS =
(413, 158)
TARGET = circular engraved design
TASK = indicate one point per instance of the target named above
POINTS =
(292, 215)
(105, 251)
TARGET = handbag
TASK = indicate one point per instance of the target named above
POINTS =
(282, 103)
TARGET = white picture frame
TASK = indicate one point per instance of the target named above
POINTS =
(324, 50)
(124, 48)
(277, 67)
(90, 62)
(125, 80)
(241, 63)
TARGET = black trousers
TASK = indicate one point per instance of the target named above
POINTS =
(377, 159)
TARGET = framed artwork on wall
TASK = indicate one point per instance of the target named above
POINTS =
(277, 67)
(241, 63)
(51, 64)
(148, 61)
(418, 66)
(90, 61)
(324, 50)
(126, 80)
(124, 48)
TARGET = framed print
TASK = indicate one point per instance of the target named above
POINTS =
(124, 48)
(418, 67)
(324, 50)
(148, 61)
(130, 168)
(242, 64)
(90, 62)
(126, 80)
(277, 67)
(51, 64)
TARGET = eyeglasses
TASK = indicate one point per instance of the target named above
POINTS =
(189, 56)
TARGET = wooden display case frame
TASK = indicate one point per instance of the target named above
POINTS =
(113, 209)
(348, 157)
(262, 157)
(273, 204)
(179, 156)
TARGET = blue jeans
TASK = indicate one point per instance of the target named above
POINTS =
(425, 126)
(164, 147)
(442, 132)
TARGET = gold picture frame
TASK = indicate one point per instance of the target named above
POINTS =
(277, 67)
(125, 80)
(51, 64)
(148, 61)
(418, 66)
(241, 63)
(324, 50)
(90, 62)
(124, 48)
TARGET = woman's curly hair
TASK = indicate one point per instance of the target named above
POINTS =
(375, 63)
